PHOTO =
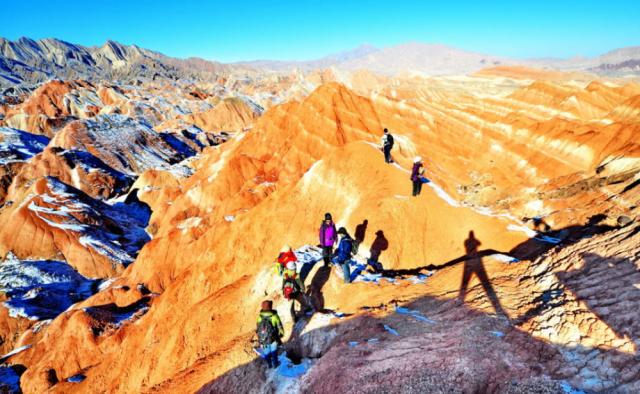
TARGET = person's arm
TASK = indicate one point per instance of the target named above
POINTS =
(278, 324)
(342, 252)
(259, 320)
(321, 236)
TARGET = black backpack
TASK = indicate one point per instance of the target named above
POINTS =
(389, 140)
(267, 333)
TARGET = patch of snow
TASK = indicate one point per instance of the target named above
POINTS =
(40, 290)
(18, 145)
(424, 319)
(229, 218)
(391, 330)
(288, 368)
(106, 283)
(132, 316)
(504, 258)
(77, 378)
(570, 390)
(400, 309)
(178, 170)
(41, 324)
(16, 351)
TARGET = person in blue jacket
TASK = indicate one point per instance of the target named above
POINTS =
(343, 254)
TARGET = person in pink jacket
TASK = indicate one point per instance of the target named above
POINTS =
(328, 237)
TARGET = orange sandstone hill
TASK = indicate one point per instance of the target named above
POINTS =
(496, 278)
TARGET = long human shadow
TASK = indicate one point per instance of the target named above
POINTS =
(379, 245)
(473, 266)
(527, 250)
(361, 231)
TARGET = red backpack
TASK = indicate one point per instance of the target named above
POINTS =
(290, 285)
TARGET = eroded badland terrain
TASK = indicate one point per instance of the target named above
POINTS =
(141, 215)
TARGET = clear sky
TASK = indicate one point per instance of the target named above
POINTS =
(307, 30)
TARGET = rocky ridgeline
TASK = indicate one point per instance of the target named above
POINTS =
(513, 272)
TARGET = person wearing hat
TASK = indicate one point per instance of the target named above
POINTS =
(387, 144)
(328, 237)
(269, 332)
(291, 274)
(343, 254)
(286, 255)
(416, 172)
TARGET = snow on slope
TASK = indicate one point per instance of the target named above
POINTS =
(18, 145)
(40, 290)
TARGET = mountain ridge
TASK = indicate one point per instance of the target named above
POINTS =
(34, 61)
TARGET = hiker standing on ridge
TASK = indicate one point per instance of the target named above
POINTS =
(387, 145)
(269, 333)
(328, 237)
(416, 173)
(343, 254)
(286, 255)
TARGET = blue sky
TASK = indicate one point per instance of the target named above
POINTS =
(302, 30)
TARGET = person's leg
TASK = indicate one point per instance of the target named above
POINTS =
(266, 350)
(346, 268)
(415, 188)
(327, 251)
(274, 354)
(387, 154)
(419, 187)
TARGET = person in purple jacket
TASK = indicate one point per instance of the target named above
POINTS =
(416, 173)
(328, 237)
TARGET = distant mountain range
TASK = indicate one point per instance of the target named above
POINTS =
(31, 61)
(439, 60)
(334, 59)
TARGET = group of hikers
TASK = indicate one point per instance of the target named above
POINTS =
(270, 330)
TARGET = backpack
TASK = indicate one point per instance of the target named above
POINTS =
(267, 333)
(290, 286)
(354, 246)
(388, 140)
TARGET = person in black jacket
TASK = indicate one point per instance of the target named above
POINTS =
(387, 145)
